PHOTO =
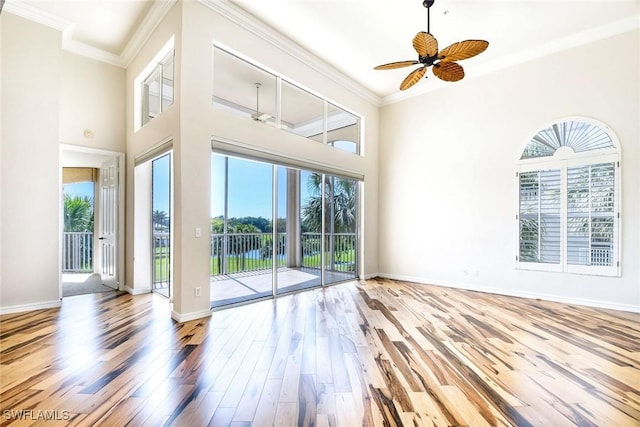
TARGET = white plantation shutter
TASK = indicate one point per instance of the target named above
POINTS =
(591, 216)
(540, 216)
(568, 213)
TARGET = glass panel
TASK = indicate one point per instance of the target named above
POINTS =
(340, 229)
(590, 215)
(242, 88)
(161, 222)
(302, 112)
(540, 216)
(244, 244)
(343, 129)
(218, 214)
(151, 96)
(311, 223)
(167, 81)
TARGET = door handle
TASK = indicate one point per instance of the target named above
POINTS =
(101, 238)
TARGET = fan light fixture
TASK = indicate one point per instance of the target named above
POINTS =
(258, 116)
(443, 62)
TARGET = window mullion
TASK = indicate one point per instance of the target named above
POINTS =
(590, 212)
(539, 216)
(564, 212)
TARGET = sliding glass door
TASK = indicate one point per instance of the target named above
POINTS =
(241, 230)
(277, 229)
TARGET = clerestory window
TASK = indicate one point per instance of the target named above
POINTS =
(568, 215)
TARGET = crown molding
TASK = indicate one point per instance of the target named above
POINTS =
(158, 11)
(32, 13)
(258, 28)
(575, 40)
(152, 19)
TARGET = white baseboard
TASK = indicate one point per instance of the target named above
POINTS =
(185, 317)
(137, 291)
(369, 276)
(30, 307)
(519, 294)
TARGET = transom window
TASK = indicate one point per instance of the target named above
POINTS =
(568, 216)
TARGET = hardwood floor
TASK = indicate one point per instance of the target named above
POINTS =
(372, 353)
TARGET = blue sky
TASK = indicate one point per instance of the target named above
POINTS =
(161, 183)
(250, 188)
(79, 189)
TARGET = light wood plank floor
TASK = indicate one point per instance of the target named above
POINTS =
(378, 352)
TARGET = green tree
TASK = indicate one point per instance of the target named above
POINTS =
(160, 219)
(341, 194)
(78, 213)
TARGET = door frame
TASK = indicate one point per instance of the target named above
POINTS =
(94, 157)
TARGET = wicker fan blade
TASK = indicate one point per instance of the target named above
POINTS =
(448, 71)
(425, 44)
(462, 50)
(413, 78)
(393, 65)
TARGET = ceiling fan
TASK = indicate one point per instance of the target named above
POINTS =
(258, 116)
(444, 62)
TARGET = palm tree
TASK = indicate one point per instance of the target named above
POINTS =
(340, 195)
(78, 213)
(160, 219)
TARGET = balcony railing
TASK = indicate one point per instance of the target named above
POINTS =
(245, 252)
(77, 252)
(240, 252)
(161, 259)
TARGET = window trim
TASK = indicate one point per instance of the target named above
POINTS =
(563, 159)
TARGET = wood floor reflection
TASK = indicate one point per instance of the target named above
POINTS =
(373, 353)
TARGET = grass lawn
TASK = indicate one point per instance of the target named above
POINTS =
(345, 261)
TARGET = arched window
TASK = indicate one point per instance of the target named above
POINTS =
(568, 214)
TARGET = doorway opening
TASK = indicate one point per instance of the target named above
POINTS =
(90, 196)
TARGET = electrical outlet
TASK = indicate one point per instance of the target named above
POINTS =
(197, 291)
(198, 232)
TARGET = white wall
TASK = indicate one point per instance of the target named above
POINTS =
(448, 192)
(30, 170)
(198, 122)
(48, 97)
(92, 97)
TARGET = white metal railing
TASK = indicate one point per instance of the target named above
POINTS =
(77, 252)
(161, 259)
(340, 251)
(239, 252)
(244, 252)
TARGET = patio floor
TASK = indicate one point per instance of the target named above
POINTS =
(239, 287)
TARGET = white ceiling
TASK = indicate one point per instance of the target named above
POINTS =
(356, 35)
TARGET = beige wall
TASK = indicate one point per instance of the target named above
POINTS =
(92, 97)
(30, 172)
(448, 192)
(48, 97)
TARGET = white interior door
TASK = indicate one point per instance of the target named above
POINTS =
(108, 221)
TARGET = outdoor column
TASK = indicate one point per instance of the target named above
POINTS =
(294, 237)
